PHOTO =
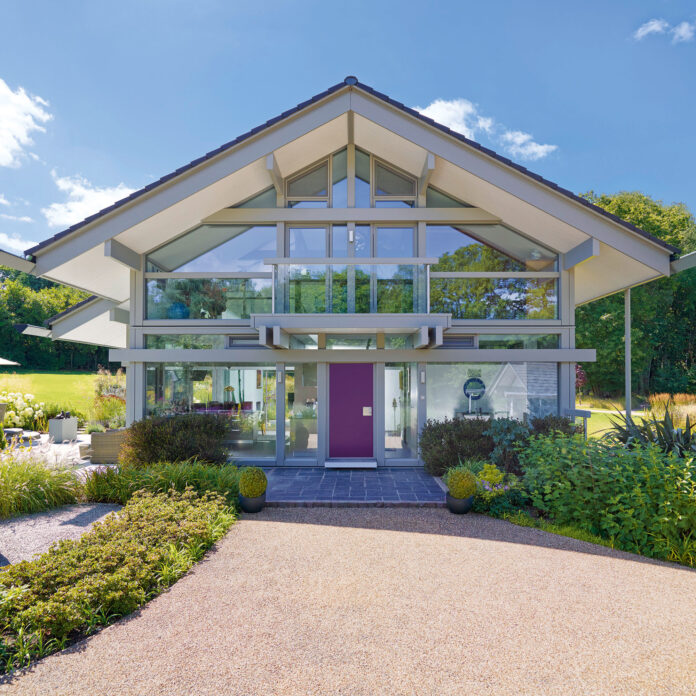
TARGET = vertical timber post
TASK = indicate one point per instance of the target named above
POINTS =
(627, 349)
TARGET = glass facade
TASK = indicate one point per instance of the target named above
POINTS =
(519, 341)
(187, 341)
(495, 298)
(207, 298)
(511, 390)
(245, 395)
(400, 411)
(301, 410)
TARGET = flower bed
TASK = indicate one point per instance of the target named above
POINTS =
(23, 411)
(121, 563)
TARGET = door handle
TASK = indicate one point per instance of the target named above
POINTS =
(367, 410)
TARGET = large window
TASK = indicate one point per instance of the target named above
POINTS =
(244, 395)
(469, 390)
(322, 185)
(400, 411)
(301, 410)
(491, 272)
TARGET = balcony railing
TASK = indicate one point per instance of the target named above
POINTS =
(350, 285)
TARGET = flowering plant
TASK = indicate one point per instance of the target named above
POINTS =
(23, 411)
(491, 483)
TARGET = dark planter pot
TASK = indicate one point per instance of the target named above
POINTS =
(252, 504)
(459, 505)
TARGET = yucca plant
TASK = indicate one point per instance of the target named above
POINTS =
(659, 431)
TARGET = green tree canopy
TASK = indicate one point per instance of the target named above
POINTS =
(663, 311)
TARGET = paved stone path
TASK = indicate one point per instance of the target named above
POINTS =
(392, 486)
(22, 537)
(395, 601)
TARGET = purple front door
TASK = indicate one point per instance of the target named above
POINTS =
(350, 410)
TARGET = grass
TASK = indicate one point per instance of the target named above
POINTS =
(522, 519)
(74, 390)
(28, 484)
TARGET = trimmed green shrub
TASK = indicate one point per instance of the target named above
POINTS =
(507, 433)
(28, 484)
(252, 482)
(121, 563)
(176, 438)
(460, 481)
(110, 485)
(549, 425)
(444, 443)
(641, 499)
(94, 428)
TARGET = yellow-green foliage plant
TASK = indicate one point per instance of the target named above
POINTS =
(490, 482)
(461, 482)
(252, 482)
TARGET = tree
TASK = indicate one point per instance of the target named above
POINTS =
(663, 332)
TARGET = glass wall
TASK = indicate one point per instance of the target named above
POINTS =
(301, 433)
(187, 341)
(245, 395)
(400, 411)
(495, 298)
(519, 341)
(207, 298)
(468, 390)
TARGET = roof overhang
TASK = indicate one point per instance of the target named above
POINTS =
(537, 208)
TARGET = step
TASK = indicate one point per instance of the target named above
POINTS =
(347, 463)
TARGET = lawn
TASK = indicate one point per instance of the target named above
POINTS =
(71, 390)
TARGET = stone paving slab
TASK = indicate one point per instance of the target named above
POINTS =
(382, 487)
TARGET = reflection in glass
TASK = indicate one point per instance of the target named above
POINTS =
(301, 438)
(211, 248)
(339, 180)
(494, 298)
(339, 241)
(390, 183)
(207, 298)
(363, 289)
(351, 341)
(362, 179)
(400, 411)
(186, 341)
(313, 183)
(308, 204)
(437, 199)
(394, 289)
(265, 199)
(307, 242)
(398, 341)
(363, 247)
(487, 248)
(304, 341)
(519, 341)
(244, 395)
(511, 390)
(395, 242)
(339, 289)
(394, 204)
(307, 289)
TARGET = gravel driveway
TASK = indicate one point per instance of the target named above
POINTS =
(395, 601)
(22, 537)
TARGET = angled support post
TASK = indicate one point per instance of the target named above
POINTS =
(582, 252)
(121, 253)
(276, 177)
(426, 175)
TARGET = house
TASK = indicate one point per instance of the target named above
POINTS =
(338, 275)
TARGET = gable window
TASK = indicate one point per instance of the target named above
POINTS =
(265, 199)
(393, 189)
(438, 199)
(212, 272)
(491, 272)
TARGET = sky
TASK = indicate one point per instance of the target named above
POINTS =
(98, 99)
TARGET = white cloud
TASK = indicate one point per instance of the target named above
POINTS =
(460, 115)
(84, 200)
(15, 243)
(20, 115)
(16, 218)
(464, 116)
(683, 32)
(3, 200)
(522, 145)
(653, 26)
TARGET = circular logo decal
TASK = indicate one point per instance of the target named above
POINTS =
(474, 388)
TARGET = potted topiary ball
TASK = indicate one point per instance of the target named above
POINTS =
(252, 489)
(462, 486)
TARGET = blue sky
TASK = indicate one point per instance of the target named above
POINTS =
(97, 98)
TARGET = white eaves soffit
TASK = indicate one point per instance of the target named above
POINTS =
(92, 323)
(626, 258)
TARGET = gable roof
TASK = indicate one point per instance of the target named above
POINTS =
(348, 83)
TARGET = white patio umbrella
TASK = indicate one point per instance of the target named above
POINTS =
(7, 363)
